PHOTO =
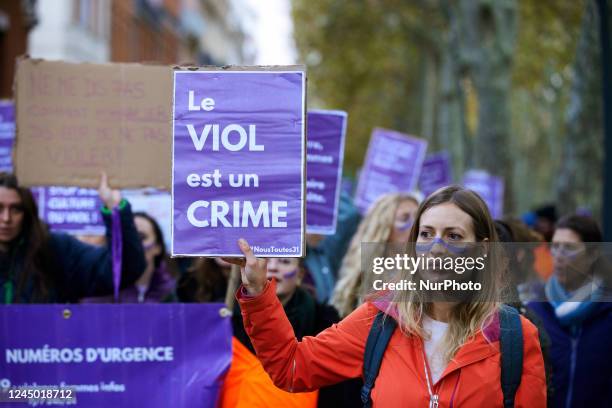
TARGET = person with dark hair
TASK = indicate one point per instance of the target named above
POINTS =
(156, 284)
(576, 316)
(519, 243)
(412, 351)
(205, 280)
(38, 266)
(545, 218)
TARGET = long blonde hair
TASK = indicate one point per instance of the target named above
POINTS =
(466, 318)
(376, 227)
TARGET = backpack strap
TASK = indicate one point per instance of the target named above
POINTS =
(511, 347)
(377, 342)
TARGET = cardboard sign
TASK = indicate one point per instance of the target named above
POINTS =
(7, 135)
(72, 210)
(74, 120)
(238, 162)
(490, 188)
(113, 355)
(393, 164)
(436, 172)
(325, 155)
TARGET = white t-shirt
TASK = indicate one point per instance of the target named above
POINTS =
(433, 347)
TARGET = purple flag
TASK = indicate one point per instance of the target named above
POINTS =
(238, 163)
(489, 187)
(73, 210)
(148, 355)
(7, 135)
(326, 134)
(436, 172)
(393, 163)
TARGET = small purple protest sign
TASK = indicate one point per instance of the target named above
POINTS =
(238, 162)
(7, 135)
(393, 163)
(147, 355)
(325, 155)
(436, 172)
(489, 187)
(73, 210)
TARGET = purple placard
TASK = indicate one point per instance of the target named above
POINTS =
(7, 135)
(238, 163)
(436, 172)
(489, 187)
(393, 163)
(73, 210)
(148, 355)
(325, 155)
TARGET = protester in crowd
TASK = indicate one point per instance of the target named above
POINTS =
(544, 223)
(519, 243)
(41, 266)
(444, 353)
(156, 284)
(204, 281)
(576, 317)
(387, 222)
(307, 317)
(522, 244)
(324, 253)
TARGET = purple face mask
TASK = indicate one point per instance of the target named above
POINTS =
(290, 275)
(404, 226)
(560, 251)
(423, 247)
(146, 247)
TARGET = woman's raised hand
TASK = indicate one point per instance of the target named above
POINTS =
(253, 270)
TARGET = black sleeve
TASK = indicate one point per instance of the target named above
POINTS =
(86, 270)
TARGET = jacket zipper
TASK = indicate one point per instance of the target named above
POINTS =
(434, 397)
(570, 388)
(292, 376)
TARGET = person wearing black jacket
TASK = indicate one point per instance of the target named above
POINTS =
(38, 266)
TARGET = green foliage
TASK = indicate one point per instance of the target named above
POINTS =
(368, 57)
(364, 57)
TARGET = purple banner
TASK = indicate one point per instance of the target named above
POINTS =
(7, 135)
(73, 210)
(148, 355)
(393, 163)
(489, 187)
(325, 155)
(436, 172)
(238, 163)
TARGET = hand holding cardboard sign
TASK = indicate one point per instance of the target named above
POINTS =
(252, 269)
(109, 197)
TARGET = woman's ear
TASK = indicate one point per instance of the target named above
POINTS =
(486, 247)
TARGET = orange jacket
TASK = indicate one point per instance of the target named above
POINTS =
(248, 386)
(471, 379)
